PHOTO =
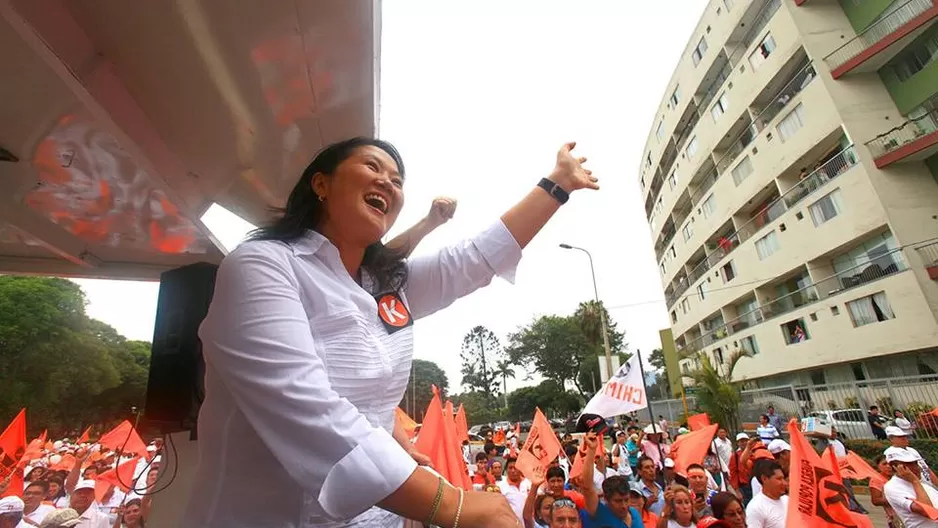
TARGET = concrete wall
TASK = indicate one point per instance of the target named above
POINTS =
(915, 90)
(861, 14)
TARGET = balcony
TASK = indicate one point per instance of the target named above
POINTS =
(885, 265)
(883, 39)
(929, 254)
(914, 140)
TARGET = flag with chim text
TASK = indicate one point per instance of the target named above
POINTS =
(623, 393)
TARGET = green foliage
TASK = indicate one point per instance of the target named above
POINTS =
(658, 363)
(480, 355)
(717, 394)
(427, 374)
(67, 369)
(870, 449)
(478, 407)
(549, 396)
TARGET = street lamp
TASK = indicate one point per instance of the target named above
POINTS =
(602, 312)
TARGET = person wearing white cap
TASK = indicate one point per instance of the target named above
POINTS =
(82, 501)
(11, 512)
(899, 439)
(781, 450)
(906, 492)
(741, 467)
(64, 518)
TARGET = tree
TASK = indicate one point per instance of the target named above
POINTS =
(717, 394)
(553, 346)
(481, 351)
(426, 373)
(589, 316)
(549, 396)
(478, 407)
(504, 369)
(67, 369)
(657, 361)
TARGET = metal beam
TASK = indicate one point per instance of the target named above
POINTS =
(61, 268)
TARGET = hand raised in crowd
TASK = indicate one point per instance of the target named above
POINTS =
(539, 477)
(569, 172)
(590, 441)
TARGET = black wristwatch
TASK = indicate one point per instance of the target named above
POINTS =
(554, 190)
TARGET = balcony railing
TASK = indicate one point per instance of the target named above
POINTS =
(929, 254)
(877, 31)
(715, 87)
(882, 266)
(832, 168)
(905, 133)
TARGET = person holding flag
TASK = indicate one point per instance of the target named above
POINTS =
(914, 501)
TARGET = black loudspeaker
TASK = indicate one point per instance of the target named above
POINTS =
(175, 387)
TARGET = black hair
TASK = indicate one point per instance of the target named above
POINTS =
(720, 502)
(537, 507)
(642, 459)
(616, 484)
(481, 457)
(304, 210)
(766, 416)
(510, 460)
(554, 472)
(764, 469)
(490, 446)
(696, 466)
(570, 450)
(873, 407)
(41, 484)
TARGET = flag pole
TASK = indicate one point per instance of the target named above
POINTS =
(651, 412)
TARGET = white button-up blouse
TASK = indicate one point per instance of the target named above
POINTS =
(302, 379)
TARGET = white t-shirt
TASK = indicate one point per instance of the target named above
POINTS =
(764, 512)
(724, 450)
(40, 513)
(111, 506)
(900, 495)
(756, 486)
(516, 495)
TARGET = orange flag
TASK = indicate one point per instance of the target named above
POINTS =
(84, 436)
(437, 440)
(818, 498)
(499, 438)
(34, 449)
(13, 446)
(407, 423)
(122, 476)
(67, 463)
(854, 467)
(698, 421)
(462, 426)
(691, 448)
(124, 437)
(580, 458)
(541, 446)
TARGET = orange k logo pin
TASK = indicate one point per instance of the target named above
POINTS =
(393, 312)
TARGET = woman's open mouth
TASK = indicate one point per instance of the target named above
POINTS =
(378, 202)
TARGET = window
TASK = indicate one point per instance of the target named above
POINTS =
(818, 377)
(792, 123)
(675, 97)
(648, 159)
(795, 331)
(858, 372)
(699, 51)
(728, 4)
(673, 316)
(827, 207)
(663, 269)
(685, 305)
(767, 245)
(702, 290)
(672, 251)
(672, 180)
(691, 148)
(688, 231)
(719, 107)
(747, 314)
(749, 345)
(762, 52)
(660, 129)
(708, 206)
(878, 251)
(729, 272)
(742, 170)
(869, 310)
(919, 55)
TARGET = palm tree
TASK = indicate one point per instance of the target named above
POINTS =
(506, 370)
(590, 322)
(717, 394)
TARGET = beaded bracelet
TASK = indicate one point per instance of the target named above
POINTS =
(462, 495)
(436, 502)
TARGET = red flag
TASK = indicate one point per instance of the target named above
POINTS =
(34, 449)
(67, 463)
(437, 440)
(691, 448)
(13, 444)
(698, 421)
(407, 423)
(462, 426)
(541, 446)
(84, 436)
(125, 438)
(818, 498)
(122, 476)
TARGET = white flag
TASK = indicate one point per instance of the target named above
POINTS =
(623, 393)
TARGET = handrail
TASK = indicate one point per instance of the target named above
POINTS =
(929, 253)
(837, 165)
(893, 138)
(877, 31)
(808, 294)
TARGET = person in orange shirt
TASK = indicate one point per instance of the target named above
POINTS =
(555, 488)
(637, 500)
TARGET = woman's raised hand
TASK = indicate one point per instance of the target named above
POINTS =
(569, 172)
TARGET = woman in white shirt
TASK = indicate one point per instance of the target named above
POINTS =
(903, 423)
(308, 345)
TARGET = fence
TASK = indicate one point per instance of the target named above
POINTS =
(905, 133)
(877, 31)
(843, 405)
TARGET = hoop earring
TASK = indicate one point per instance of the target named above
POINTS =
(320, 197)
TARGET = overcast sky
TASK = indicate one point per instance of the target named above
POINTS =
(478, 95)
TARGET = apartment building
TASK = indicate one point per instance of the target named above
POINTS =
(790, 181)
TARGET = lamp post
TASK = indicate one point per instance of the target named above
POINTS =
(602, 312)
